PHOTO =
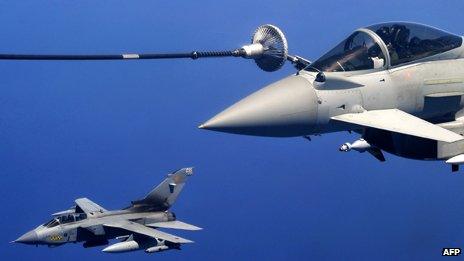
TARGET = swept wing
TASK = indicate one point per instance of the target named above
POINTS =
(395, 120)
(146, 231)
(176, 224)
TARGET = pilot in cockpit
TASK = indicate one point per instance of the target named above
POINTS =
(396, 40)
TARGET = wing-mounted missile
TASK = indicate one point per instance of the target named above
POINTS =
(156, 249)
(361, 146)
(268, 48)
(455, 162)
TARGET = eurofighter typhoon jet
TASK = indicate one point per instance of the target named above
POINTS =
(400, 85)
(135, 226)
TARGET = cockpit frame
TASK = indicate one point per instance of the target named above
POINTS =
(382, 45)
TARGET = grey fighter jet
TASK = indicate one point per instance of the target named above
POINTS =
(399, 85)
(135, 226)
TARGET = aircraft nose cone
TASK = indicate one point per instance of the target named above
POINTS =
(283, 109)
(29, 238)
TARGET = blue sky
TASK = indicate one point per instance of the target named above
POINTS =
(112, 130)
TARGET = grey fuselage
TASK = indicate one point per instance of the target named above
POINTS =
(90, 229)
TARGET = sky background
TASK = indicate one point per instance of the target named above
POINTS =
(110, 131)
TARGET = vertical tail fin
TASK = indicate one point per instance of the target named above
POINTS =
(165, 194)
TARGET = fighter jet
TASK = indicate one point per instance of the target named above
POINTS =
(399, 85)
(135, 226)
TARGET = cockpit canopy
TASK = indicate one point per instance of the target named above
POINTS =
(63, 219)
(408, 42)
(358, 52)
(366, 49)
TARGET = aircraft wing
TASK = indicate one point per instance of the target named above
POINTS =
(395, 120)
(176, 224)
(146, 231)
(87, 206)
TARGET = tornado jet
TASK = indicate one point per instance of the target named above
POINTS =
(135, 227)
